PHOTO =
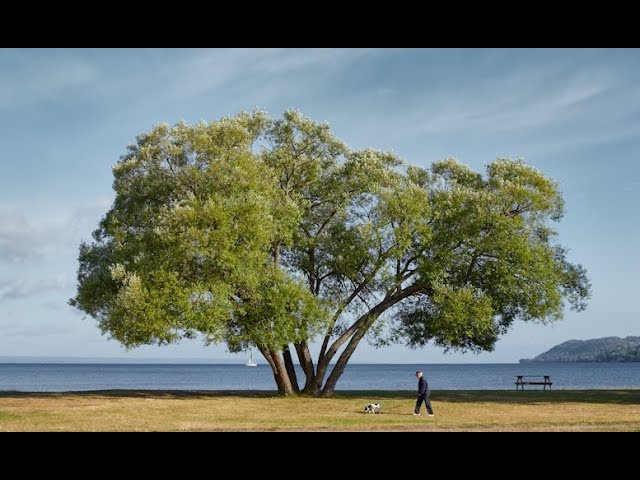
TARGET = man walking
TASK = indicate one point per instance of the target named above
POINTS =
(423, 395)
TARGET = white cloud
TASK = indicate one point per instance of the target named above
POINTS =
(283, 61)
(57, 230)
(29, 79)
(38, 330)
(383, 92)
(632, 186)
(18, 238)
(206, 70)
(26, 287)
(83, 219)
(508, 109)
(581, 103)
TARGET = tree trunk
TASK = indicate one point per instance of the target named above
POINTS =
(323, 364)
(281, 376)
(325, 358)
(306, 362)
(279, 370)
(340, 365)
(291, 371)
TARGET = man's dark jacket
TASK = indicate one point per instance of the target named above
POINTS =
(423, 387)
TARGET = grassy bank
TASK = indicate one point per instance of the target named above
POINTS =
(559, 410)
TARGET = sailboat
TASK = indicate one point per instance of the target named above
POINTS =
(250, 362)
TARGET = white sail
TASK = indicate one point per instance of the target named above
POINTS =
(250, 362)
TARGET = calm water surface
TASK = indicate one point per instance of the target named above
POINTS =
(64, 377)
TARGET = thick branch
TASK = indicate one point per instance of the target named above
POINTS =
(306, 362)
(326, 222)
(291, 371)
(474, 258)
(388, 301)
(344, 305)
(267, 355)
(304, 355)
(364, 323)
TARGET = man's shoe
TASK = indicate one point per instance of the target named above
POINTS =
(416, 414)
(431, 414)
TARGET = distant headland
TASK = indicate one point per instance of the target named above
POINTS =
(607, 349)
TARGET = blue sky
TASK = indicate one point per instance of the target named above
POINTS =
(67, 115)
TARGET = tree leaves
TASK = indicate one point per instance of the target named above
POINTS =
(256, 231)
(193, 226)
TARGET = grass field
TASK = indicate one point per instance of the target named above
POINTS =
(559, 410)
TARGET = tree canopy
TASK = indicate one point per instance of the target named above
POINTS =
(273, 233)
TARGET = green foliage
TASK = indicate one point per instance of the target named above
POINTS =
(281, 311)
(490, 248)
(249, 230)
(187, 244)
(453, 317)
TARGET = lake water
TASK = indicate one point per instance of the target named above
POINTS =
(73, 377)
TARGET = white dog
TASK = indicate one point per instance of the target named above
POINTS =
(372, 408)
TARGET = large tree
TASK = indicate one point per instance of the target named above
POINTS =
(273, 233)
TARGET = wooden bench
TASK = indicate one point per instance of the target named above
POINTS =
(521, 381)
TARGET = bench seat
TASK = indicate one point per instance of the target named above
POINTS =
(522, 380)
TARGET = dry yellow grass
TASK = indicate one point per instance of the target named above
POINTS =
(604, 410)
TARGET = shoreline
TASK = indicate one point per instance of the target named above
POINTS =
(139, 392)
(338, 393)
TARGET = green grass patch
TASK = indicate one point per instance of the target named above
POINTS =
(484, 410)
(8, 416)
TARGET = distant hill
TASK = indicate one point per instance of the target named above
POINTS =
(607, 349)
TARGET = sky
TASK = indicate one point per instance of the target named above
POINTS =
(67, 115)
